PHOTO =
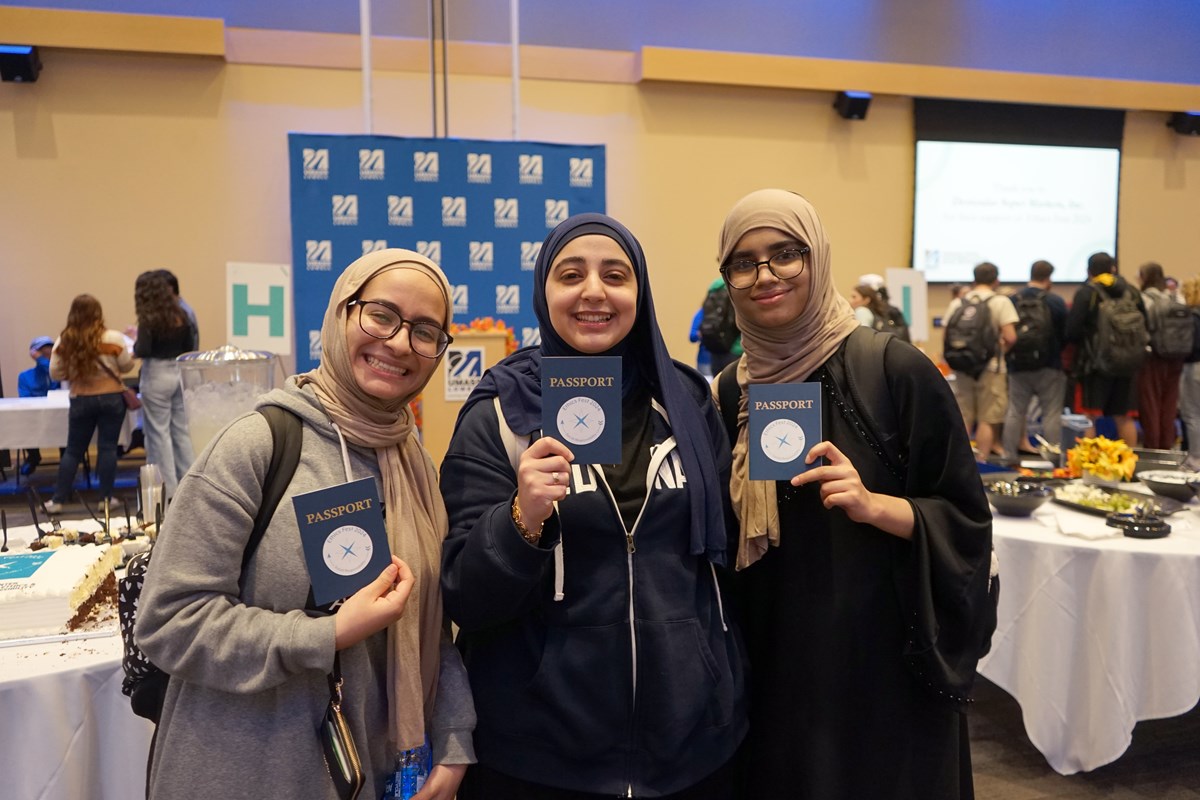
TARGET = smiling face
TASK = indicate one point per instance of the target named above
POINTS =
(770, 302)
(591, 294)
(390, 370)
(857, 299)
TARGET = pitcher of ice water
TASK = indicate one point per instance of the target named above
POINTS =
(221, 385)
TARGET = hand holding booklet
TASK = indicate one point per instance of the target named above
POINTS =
(344, 538)
(785, 422)
(581, 406)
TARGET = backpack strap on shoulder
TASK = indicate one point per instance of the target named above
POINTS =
(728, 396)
(286, 435)
(868, 400)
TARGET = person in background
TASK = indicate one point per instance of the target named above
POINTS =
(1158, 379)
(983, 401)
(865, 592)
(590, 615)
(703, 357)
(1044, 381)
(1100, 394)
(715, 328)
(1189, 387)
(247, 650)
(36, 382)
(1173, 289)
(163, 334)
(92, 357)
(868, 306)
(187, 309)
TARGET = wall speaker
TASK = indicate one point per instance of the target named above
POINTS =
(19, 63)
(852, 105)
(1185, 122)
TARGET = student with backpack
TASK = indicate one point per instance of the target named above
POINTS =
(1035, 359)
(980, 328)
(1189, 382)
(1170, 324)
(715, 327)
(1107, 322)
(261, 677)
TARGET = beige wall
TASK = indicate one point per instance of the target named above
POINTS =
(113, 164)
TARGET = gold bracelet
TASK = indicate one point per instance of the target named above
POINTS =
(530, 536)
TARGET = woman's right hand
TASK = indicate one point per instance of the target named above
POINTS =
(542, 480)
(375, 606)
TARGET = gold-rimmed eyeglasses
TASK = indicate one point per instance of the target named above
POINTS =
(786, 264)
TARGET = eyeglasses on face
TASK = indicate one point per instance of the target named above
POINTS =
(743, 273)
(381, 321)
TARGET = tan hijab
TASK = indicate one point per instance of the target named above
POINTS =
(416, 516)
(786, 354)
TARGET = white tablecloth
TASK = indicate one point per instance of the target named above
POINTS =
(1095, 635)
(27, 422)
(67, 730)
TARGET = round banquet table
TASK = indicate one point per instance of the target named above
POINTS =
(1095, 634)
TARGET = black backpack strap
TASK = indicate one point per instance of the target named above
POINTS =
(286, 435)
(728, 395)
(867, 402)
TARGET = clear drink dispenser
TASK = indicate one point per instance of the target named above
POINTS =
(221, 385)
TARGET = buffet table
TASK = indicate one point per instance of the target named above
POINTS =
(1095, 635)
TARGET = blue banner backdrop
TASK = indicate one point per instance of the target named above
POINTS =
(479, 209)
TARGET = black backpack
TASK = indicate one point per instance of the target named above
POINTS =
(1194, 356)
(1117, 346)
(970, 340)
(144, 683)
(1171, 333)
(893, 323)
(1035, 332)
(718, 325)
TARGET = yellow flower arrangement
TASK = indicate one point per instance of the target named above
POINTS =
(1106, 459)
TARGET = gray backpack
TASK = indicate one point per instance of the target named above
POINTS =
(1117, 347)
(1170, 326)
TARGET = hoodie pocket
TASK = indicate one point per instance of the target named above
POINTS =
(582, 692)
(681, 687)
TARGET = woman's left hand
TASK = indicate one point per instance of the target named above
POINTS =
(442, 783)
(841, 487)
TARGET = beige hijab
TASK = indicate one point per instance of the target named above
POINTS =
(786, 354)
(416, 516)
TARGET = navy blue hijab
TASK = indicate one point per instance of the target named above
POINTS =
(517, 379)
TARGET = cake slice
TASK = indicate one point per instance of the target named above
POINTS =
(56, 591)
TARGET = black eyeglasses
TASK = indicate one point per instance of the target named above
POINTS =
(785, 264)
(381, 321)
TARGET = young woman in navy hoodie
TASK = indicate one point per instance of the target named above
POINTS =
(601, 658)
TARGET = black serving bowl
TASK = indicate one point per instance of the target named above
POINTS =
(1172, 483)
(1016, 499)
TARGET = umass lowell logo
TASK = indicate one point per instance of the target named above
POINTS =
(479, 167)
(345, 209)
(454, 212)
(315, 163)
(373, 245)
(431, 250)
(425, 166)
(581, 172)
(400, 210)
(529, 169)
(505, 212)
(556, 211)
(508, 299)
(318, 255)
(480, 256)
(529, 255)
(459, 298)
(370, 164)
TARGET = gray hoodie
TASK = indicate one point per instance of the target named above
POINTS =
(248, 664)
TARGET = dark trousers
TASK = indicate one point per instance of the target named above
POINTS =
(483, 783)
(1158, 400)
(99, 414)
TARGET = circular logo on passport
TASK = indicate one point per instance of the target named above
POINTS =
(782, 440)
(347, 550)
(580, 420)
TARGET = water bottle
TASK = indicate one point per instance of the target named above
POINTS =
(412, 768)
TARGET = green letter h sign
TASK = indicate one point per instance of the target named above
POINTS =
(243, 309)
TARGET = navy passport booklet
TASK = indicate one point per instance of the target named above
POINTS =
(581, 406)
(785, 422)
(344, 538)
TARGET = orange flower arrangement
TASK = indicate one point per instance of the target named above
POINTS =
(488, 325)
(1107, 459)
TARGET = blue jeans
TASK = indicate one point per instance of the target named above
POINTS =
(100, 414)
(164, 421)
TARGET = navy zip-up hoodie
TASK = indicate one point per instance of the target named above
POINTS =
(631, 682)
